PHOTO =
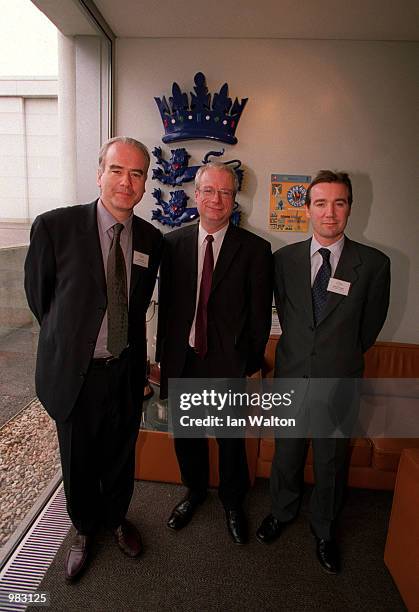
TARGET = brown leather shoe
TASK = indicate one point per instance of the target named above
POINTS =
(128, 539)
(76, 559)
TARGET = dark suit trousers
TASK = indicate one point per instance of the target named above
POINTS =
(97, 446)
(192, 455)
(287, 479)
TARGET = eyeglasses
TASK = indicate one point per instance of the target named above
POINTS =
(209, 192)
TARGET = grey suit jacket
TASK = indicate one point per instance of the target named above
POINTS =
(349, 324)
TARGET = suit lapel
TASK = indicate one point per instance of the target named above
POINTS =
(137, 245)
(346, 270)
(300, 267)
(231, 244)
(90, 243)
(142, 243)
(189, 246)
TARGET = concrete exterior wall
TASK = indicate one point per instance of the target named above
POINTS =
(29, 169)
(14, 310)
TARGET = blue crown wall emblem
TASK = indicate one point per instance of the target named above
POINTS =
(199, 118)
(177, 171)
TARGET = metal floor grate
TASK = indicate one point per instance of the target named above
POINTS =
(27, 566)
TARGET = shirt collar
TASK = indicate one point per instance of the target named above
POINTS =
(106, 220)
(335, 248)
(218, 236)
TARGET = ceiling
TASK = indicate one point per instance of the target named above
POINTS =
(301, 19)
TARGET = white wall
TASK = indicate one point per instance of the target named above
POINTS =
(312, 105)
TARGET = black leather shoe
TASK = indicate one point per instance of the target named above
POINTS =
(270, 529)
(76, 559)
(328, 555)
(128, 539)
(184, 511)
(237, 526)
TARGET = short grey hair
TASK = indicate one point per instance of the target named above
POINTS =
(124, 140)
(218, 166)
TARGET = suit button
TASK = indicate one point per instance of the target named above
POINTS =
(82, 374)
(313, 354)
(305, 376)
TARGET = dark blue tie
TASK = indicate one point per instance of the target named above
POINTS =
(319, 289)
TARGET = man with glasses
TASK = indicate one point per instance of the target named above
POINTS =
(214, 322)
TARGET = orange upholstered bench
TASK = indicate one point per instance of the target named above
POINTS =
(373, 461)
(402, 546)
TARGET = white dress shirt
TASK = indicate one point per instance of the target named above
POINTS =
(317, 260)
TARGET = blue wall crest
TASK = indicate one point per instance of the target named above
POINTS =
(202, 116)
(174, 172)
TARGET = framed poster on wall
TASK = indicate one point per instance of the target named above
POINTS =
(286, 203)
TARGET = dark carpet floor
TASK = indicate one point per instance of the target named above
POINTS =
(199, 568)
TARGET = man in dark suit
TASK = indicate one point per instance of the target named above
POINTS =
(89, 276)
(214, 321)
(332, 296)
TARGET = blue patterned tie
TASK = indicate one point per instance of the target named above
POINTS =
(319, 289)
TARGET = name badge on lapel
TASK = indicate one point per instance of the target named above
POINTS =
(339, 286)
(140, 259)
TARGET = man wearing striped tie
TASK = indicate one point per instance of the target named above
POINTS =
(332, 296)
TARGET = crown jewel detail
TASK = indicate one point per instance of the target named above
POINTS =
(184, 120)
